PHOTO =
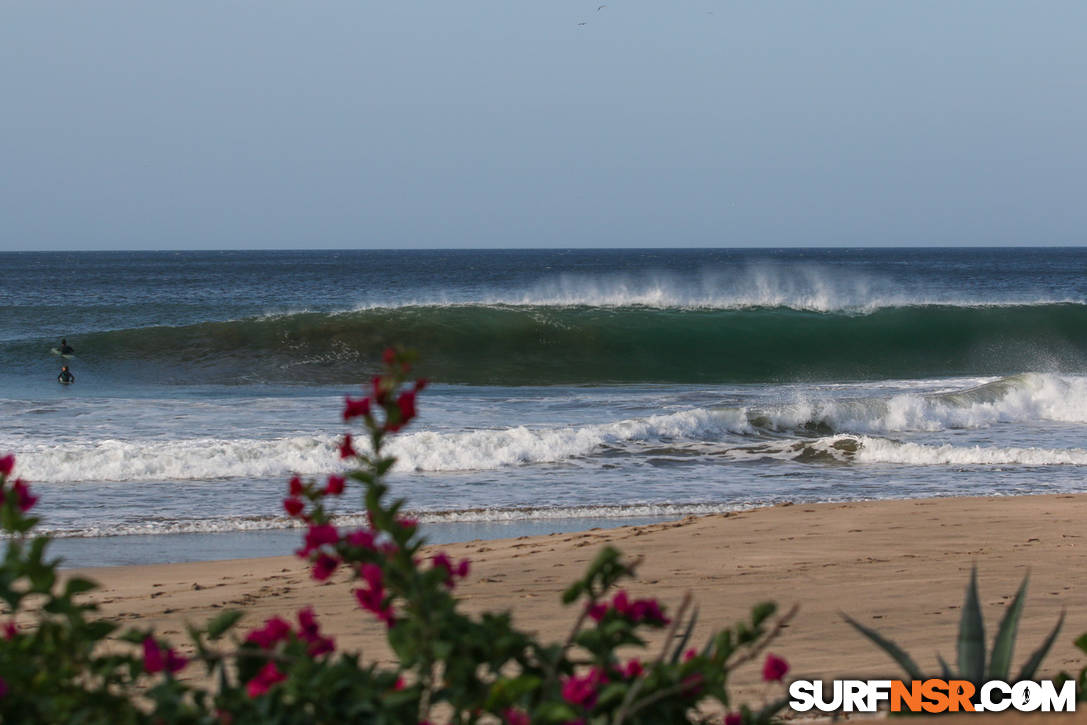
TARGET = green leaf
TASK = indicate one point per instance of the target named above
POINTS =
(762, 611)
(897, 653)
(945, 669)
(78, 585)
(685, 638)
(971, 642)
(1027, 673)
(573, 592)
(223, 622)
(1082, 642)
(1003, 646)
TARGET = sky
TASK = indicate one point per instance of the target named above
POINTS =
(128, 124)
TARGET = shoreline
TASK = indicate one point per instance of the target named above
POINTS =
(900, 566)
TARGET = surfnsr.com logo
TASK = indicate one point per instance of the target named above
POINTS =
(931, 696)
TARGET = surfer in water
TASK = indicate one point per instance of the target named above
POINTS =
(65, 376)
(65, 348)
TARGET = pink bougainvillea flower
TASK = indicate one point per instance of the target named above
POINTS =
(10, 630)
(638, 610)
(335, 485)
(347, 449)
(155, 659)
(317, 536)
(355, 407)
(388, 356)
(596, 610)
(23, 499)
(372, 597)
(633, 668)
(7, 465)
(690, 655)
(309, 632)
(420, 384)
(514, 716)
(274, 631)
(363, 538)
(774, 669)
(406, 403)
(583, 689)
(733, 718)
(324, 567)
(293, 506)
(295, 486)
(268, 676)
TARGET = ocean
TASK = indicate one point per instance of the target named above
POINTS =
(570, 388)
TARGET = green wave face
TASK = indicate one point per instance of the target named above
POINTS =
(531, 345)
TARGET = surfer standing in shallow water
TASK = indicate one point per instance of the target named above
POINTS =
(65, 376)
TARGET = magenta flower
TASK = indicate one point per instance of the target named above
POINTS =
(324, 567)
(355, 407)
(293, 506)
(363, 539)
(24, 500)
(596, 610)
(317, 536)
(372, 597)
(274, 631)
(10, 630)
(733, 718)
(7, 465)
(442, 561)
(347, 450)
(155, 659)
(774, 669)
(335, 485)
(582, 690)
(268, 676)
(406, 403)
(310, 632)
(514, 716)
(632, 669)
(295, 486)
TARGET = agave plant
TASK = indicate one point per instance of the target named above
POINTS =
(971, 642)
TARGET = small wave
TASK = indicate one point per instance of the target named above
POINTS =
(875, 450)
(470, 515)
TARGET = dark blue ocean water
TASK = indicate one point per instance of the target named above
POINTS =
(569, 384)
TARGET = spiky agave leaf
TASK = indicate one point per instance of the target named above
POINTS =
(1000, 660)
(897, 653)
(945, 669)
(971, 642)
(1027, 673)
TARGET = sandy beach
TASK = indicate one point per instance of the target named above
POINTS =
(900, 566)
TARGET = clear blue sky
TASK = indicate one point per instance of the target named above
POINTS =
(506, 123)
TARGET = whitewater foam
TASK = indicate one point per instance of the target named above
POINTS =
(1027, 398)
